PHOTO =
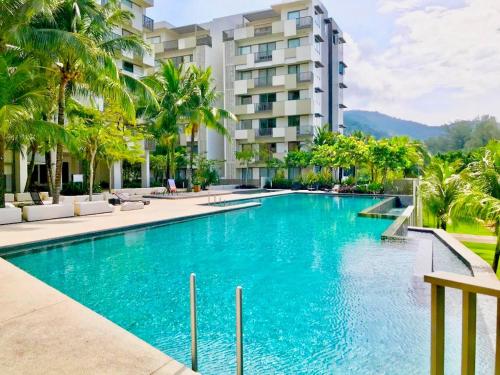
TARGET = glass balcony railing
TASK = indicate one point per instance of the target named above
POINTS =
(263, 56)
(304, 22)
(204, 41)
(305, 130)
(260, 31)
(244, 126)
(171, 45)
(263, 81)
(305, 77)
(265, 132)
(263, 107)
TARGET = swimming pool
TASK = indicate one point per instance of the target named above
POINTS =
(322, 293)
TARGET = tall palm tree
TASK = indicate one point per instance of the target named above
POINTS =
(202, 111)
(441, 188)
(78, 44)
(21, 94)
(172, 88)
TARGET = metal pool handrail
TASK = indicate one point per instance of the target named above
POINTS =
(470, 287)
(194, 328)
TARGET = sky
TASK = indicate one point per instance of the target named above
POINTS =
(432, 61)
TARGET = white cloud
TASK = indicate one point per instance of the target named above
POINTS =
(440, 54)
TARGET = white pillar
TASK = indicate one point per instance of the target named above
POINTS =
(21, 170)
(116, 173)
(145, 173)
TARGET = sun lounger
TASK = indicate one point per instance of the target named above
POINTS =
(172, 189)
(124, 197)
(336, 189)
(10, 214)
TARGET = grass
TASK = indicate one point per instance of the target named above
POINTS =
(484, 250)
(458, 227)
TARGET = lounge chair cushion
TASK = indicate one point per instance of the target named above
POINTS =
(9, 197)
(10, 215)
(53, 211)
(23, 198)
(92, 208)
(131, 206)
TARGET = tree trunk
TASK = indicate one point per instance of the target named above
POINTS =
(110, 171)
(50, 177)
(2, 171)
(191, 160)
(91, 177)
(61, 104)
(443, 224)
(497, 248)
(31, 167)
(246, 176)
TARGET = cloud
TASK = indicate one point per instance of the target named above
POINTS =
(440, 51)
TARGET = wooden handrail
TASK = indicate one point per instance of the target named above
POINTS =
(470, 287)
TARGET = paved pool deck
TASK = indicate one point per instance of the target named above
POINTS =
(43, 331)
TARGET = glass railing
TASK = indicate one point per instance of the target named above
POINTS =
(263, 56)
(204, 41)
(263, 81)
(305, 77)
(171, 45)
(260, 31)
(265, 132)
(263, 107)
(304, 22)
(305, 130)
(228, 35)
(244, 126)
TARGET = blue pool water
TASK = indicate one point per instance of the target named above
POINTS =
(322, 294)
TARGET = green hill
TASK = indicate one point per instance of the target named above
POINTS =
(380, 125)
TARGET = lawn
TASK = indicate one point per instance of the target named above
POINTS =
(484, 250)
(458, 227)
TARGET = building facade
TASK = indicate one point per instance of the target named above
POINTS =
(280, 70)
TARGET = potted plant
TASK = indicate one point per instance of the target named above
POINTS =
(196, 184)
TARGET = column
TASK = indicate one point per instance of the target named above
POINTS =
(145, 173)
(116, 174)
(21, 172)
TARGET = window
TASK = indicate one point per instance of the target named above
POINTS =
(270, 72)
(245, 125)
(128, 66)
(244, 50)
(267, 98)
(294, 95)
(294, 121)
(245, 99)
(244, 75)
(294, 43)
(293, 146)
(154, 40)
(266, 126)
(248, 146)
(341, 68)
(247, 174)
(293, 69)
(294, 15)
(187, 58)
(128, 3)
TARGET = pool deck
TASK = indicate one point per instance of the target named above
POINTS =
(44, 331)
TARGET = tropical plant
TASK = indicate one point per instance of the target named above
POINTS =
(441, 187)
(202, 111)
(245, 156)
(79, 46)
(22, 92)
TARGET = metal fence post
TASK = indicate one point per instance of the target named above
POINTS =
(194, 333)
(239, 332)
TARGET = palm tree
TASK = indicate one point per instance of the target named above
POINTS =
(245, 156)
(441, 188)
(21, 94)
(480, 196)
(79, 47)
(201, 110)
(172, 90)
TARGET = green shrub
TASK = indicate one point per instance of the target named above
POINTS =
(78, 188)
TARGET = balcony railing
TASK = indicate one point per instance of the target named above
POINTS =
(263, 107)
(263, 81)
(305, 77)
(148, 23)
(171, 45)
(260, 31)
(228, 35)
(305, 130)
(265, 132)
(243, 126)
(304, 22)
(470, 288)
(204, 41)
(263, 56)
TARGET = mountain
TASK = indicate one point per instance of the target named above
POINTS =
(381, 126)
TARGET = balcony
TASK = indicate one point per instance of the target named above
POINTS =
(263, 107)
(263, 81)
(305, 130)
(204, 41)
(171, 45)
(228, 35)
(304, 22)
(261, 31)
(265, 132)
(263, 56)
(148, 23)
(305, 77)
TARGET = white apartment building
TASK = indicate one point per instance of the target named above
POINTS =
(280, 70)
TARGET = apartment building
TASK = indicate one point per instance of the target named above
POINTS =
(280, 70)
